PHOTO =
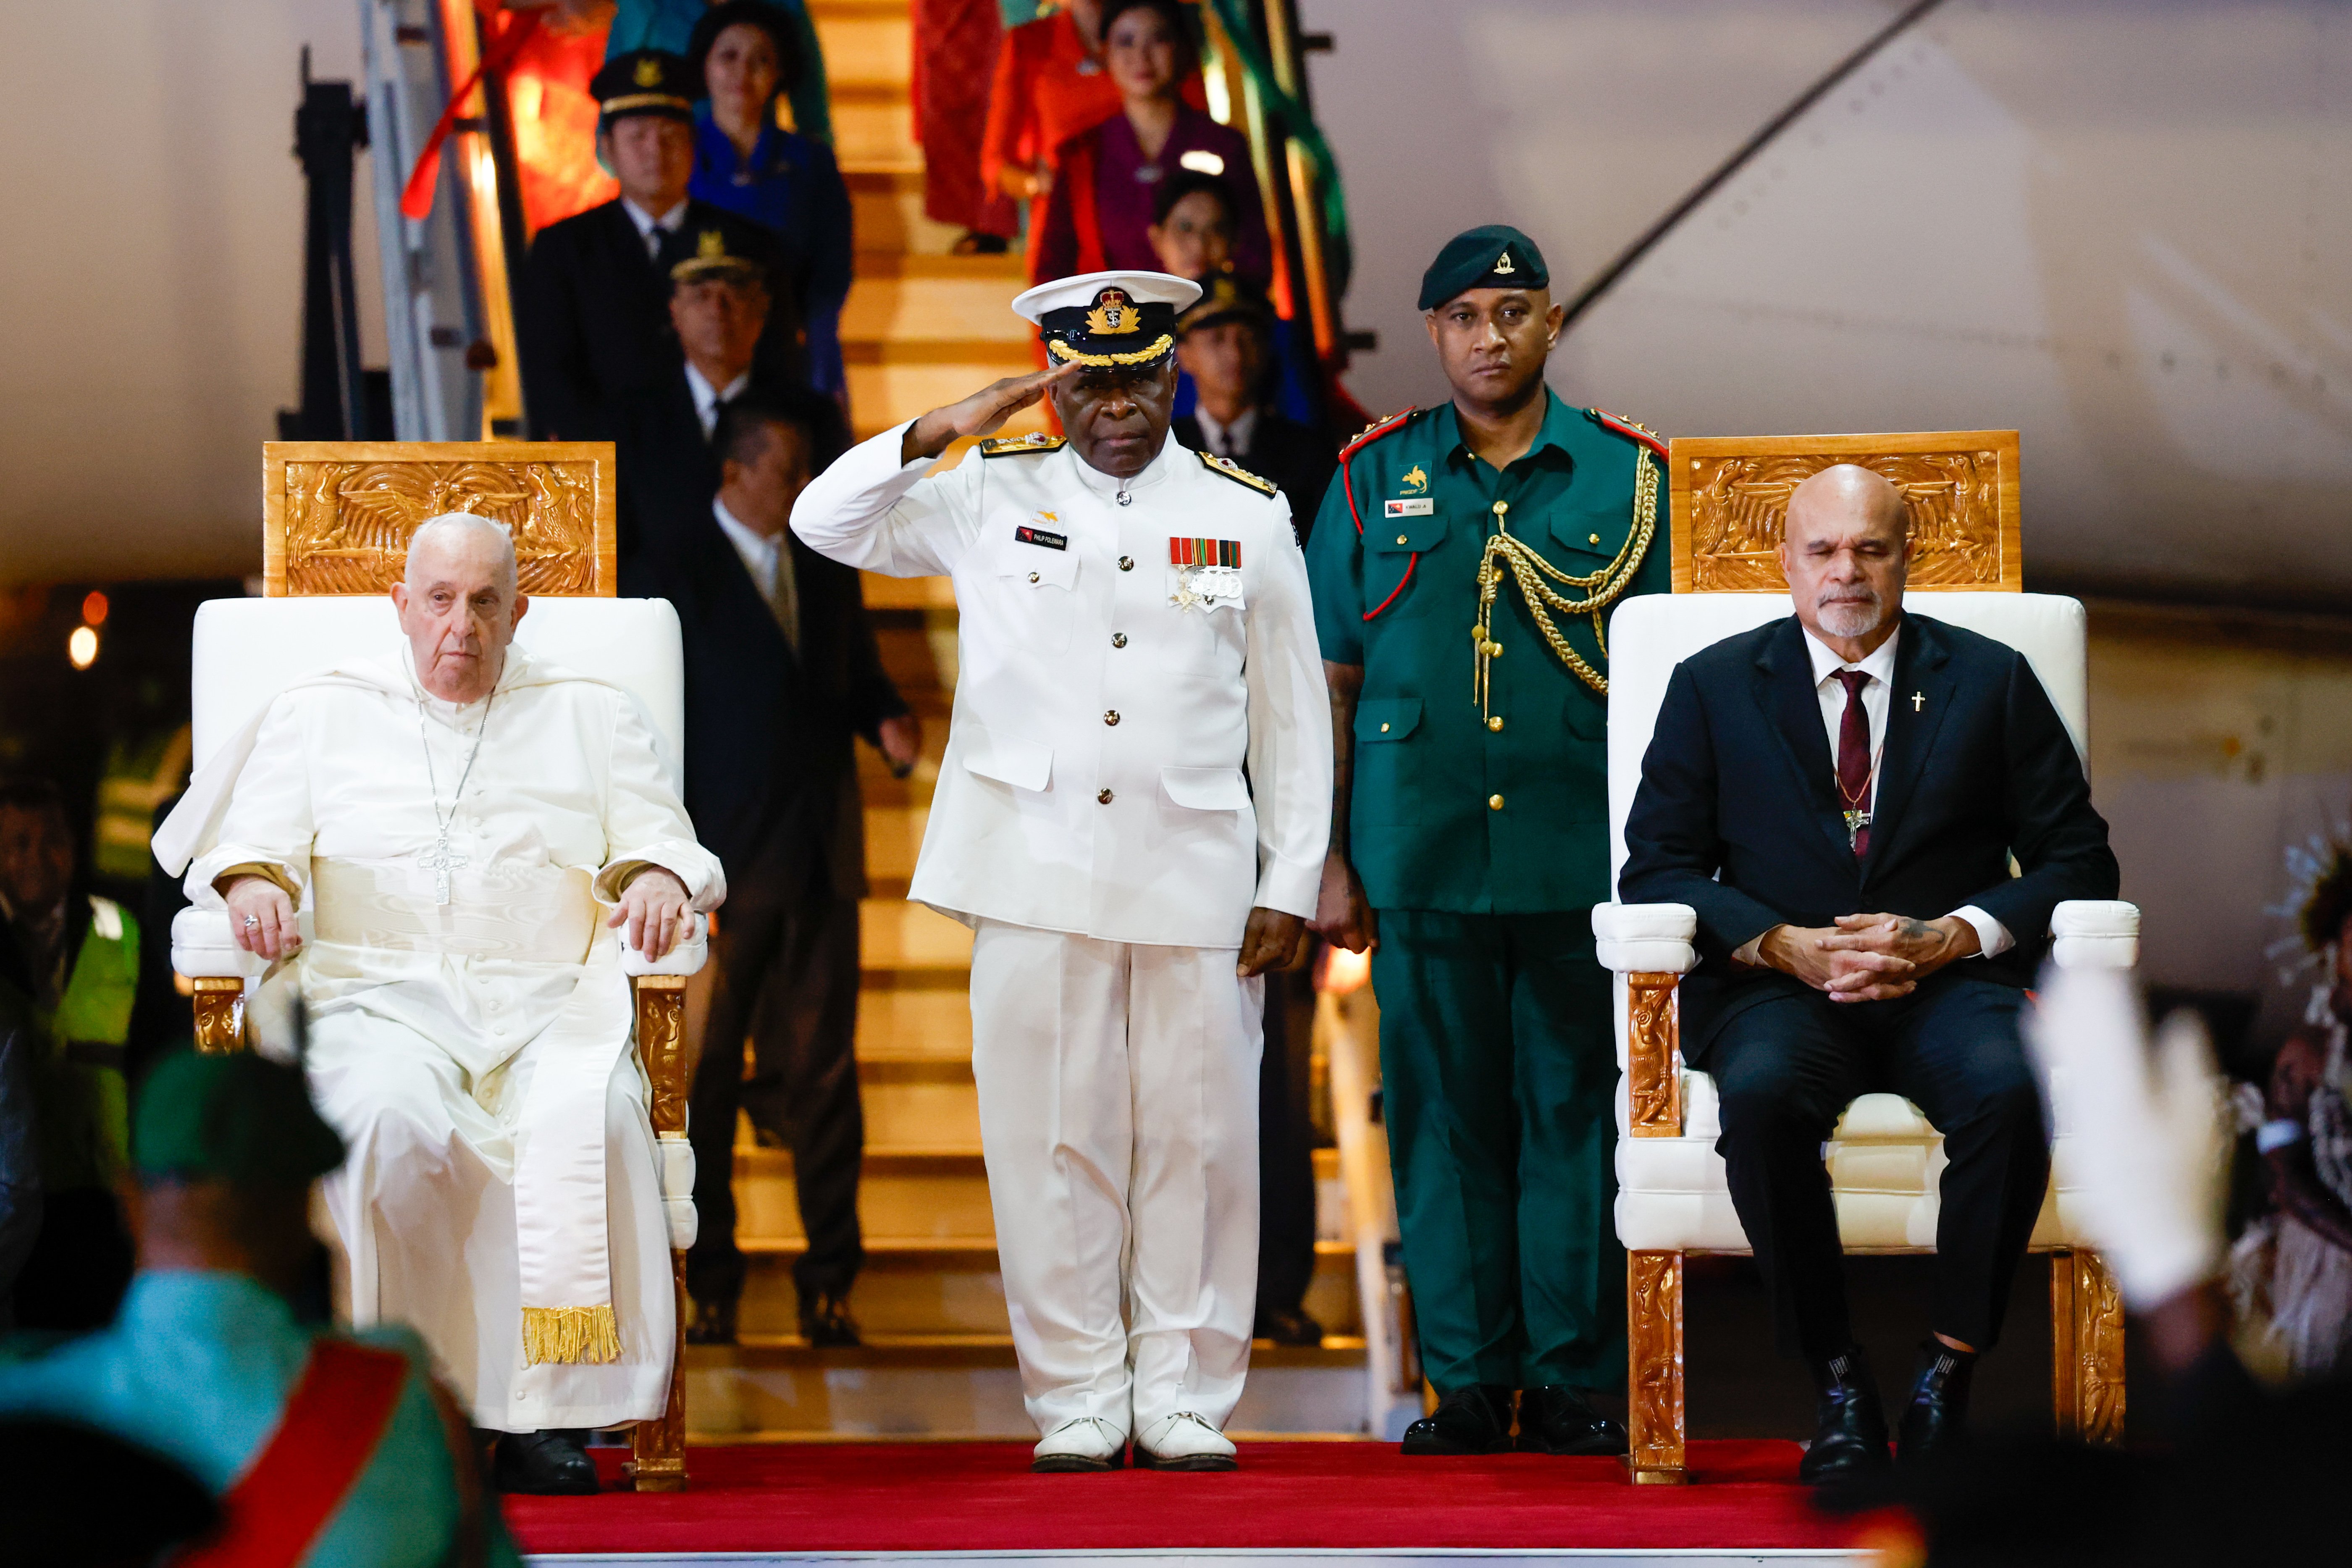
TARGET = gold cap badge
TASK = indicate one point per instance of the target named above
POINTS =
(649, 73)
(1503, 264)
(1113, 316)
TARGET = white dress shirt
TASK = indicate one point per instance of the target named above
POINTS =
(769, 560)
(647, 223)
(1227, 441)
(707, 398)
(1992, 937)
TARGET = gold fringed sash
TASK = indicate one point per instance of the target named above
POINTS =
(571, 1334)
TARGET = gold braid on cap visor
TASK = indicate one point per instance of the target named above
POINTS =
(1059, 349)
(613, 106)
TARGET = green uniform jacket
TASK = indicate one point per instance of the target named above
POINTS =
(1452, 811)
(84, 1106)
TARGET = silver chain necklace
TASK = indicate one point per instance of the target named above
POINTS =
(444, 860)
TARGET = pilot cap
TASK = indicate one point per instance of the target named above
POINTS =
(1107, 318)
(1494, 256)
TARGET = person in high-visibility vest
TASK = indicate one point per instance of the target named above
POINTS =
(73, 958)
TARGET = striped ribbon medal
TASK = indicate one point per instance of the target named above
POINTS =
(1207, 571)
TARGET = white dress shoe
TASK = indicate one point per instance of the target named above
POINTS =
(1183, 1442)
(1084, 1443)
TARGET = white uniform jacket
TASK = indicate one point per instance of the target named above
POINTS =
(1118, 766)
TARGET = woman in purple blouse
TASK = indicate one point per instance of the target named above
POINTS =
(1099, 214)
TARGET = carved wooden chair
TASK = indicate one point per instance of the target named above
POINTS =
(336, 518)
(1729, 498)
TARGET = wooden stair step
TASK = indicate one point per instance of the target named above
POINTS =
(914, 1025)
(896, 935)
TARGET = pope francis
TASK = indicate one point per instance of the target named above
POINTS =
(459, 814)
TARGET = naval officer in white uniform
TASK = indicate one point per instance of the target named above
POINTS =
(1133, 815)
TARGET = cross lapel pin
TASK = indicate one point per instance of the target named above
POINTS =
(1919, 701)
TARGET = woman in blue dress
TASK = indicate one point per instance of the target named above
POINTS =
(748, 55)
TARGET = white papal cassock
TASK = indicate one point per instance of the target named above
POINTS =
(475, 1054)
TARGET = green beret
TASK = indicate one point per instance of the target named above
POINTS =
(235, 1117)
(1494, 256)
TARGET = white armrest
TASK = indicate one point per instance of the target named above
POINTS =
(2094, 934)
(685, 957)
(1653, 938)
(204, 949)
(678, 1189)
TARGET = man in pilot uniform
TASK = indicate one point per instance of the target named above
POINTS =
(1131, 815)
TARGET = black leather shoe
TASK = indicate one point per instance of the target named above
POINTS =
(544, 1464)
(1850, 1443)
(1473, 1420)
(713, 1324)
(1287, 1326)
(1935, 1421)
(1554, 1418)
(825, 1322)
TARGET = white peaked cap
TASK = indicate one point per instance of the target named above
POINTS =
(1143, 288)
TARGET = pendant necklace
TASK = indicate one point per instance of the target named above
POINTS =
(1857, 814)
(444, 860)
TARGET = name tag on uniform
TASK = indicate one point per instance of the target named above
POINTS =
(1422, 506)
(1027, 534)
(1208, 573)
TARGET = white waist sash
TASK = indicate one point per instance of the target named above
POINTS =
(545, 915)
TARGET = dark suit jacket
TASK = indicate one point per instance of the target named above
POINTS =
(770, 771)
(1295, 457)
(1738, 813)
(666, 464)
(593, 314)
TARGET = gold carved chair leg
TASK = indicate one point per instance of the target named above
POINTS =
(1653, 1321)
(220, 1013)
(2086, 1349)
(658, 1456)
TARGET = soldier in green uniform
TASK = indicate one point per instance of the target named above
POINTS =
(1463, 568)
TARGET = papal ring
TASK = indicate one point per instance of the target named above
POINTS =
(251, 921)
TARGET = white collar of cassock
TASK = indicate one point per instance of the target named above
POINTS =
(1154, 472)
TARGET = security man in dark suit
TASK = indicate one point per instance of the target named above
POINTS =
(1470, 840)
(592, 312)
(782, 672)
(1224, 342)
(1838, 795)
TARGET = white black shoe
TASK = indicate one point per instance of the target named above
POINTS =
(1082, 1443)
(1184, 1442)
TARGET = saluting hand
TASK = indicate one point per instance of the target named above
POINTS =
(982, 413)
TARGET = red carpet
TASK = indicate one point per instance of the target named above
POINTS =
(977, 1496)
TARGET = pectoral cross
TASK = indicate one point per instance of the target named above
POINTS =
(1919, 700)
(443, 860)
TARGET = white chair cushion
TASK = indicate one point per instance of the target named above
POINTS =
(248, 650)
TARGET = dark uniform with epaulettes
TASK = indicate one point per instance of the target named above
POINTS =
(1479, 827)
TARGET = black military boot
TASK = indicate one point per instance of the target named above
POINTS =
(825, 1321)
(553, 1463)
(1473, 1420)
(1935, 1421)
(1849, 1441)
(1554, 1418)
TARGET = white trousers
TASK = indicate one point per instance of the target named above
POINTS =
(424, 1206)
(1119, 1113)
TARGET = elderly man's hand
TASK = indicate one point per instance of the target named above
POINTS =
(653, 906)
(1273, 940)
(261, 917)
(1844, 974)
(1925, 945)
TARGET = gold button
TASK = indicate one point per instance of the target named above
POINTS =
(1401, 539)
(1118, 640)
(1592, 539)
(1127, 563)
(1111, 717)
(1103, 796)
(1494, 803)
(1501, 507)
(1385, 729)
(1494, 650)
(1496, 723)
(1032, 576)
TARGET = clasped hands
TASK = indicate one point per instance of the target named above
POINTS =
(1867, 958)
(653, 906)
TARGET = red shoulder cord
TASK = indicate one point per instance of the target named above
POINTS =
(1348, 489)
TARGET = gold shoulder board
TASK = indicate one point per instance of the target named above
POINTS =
(1236, 473)
(1014, 446)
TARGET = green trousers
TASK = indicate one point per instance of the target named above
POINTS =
(1498, 1069)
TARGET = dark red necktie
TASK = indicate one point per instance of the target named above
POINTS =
(1853, 759)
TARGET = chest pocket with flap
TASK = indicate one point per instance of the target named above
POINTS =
(1037, 588)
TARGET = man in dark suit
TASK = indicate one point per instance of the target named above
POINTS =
(665, 430)
(1223, 342)
(592, 312)
(1839, 796)
(782, 672)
